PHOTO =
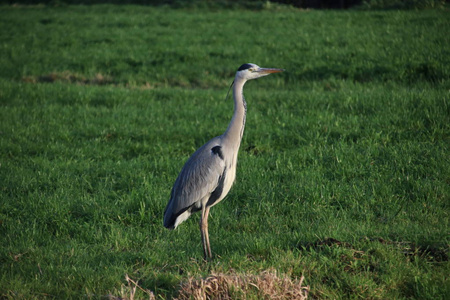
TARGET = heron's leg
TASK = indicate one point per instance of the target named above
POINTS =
(207, 233)
(204, 231)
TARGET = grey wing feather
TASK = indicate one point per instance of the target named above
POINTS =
(197, 180)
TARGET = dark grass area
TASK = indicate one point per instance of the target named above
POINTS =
(343, 172)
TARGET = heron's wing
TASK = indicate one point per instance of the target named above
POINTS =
(198, 179)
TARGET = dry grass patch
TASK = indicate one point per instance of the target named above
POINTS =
(266, 285)
(74, 78)
(128, 292)
(69, 77)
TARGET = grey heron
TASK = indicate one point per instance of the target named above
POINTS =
(209, 173)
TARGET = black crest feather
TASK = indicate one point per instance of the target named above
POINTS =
(244, 67)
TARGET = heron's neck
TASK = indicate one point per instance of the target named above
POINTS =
(235, 129)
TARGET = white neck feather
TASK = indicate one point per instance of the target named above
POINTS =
(235, 129)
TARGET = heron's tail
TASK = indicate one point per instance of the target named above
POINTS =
(171, 220)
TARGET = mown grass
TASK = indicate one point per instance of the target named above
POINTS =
(343, 173)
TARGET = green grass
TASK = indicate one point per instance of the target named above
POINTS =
(343, 172)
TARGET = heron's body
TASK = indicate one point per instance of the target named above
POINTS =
(209, 173)
(216, 180)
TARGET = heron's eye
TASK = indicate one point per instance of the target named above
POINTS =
(251, 69)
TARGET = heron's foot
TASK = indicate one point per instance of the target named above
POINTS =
(208, 258)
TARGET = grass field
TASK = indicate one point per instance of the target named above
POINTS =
(343, 174)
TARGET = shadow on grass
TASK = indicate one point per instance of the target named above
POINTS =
(432, 253)
(410, 73)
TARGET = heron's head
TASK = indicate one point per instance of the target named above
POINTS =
(252, 71)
